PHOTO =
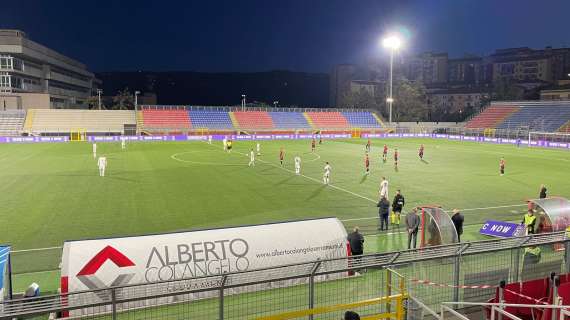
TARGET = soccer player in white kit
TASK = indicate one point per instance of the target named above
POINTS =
(327, 174)
(94, 150)
(384, 188)
(102, 164)
(225, 143)
(297, 165)
(209, 139)
(251, 158)
(258, 149)
(123, 143)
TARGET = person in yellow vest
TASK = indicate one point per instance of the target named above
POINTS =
(568, 232)
(529, 221)
(531, 255)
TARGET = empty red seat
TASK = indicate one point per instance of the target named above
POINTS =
(328, 120)
(167, 119)
(253, 120)
(491, 117)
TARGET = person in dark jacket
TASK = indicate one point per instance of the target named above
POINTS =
(412, 224)
(356, 241)
(351, 315)
(457, 220)
(384, 212)
(542, 194)
(397, 206)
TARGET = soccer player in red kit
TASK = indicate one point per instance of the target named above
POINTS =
(313, 144)
(502, 166)
(385, 153)
(281, 155)
(367, 163)
(368, 145)
(421, 152)
(396, 155)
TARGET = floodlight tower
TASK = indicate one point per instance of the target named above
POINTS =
(392, 43)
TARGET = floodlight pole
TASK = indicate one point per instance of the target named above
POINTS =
(136, 99)
(390, 98)
(99, 91)
(243, 102)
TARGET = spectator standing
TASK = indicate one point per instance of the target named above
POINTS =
(457, 220)
(397, 206)
(543, 190)
(412, 224)
(529, 220)
(384, 212)
(356, 241)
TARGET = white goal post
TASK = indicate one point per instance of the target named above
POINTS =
(535, 136)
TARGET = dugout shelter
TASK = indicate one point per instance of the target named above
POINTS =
(436, 227)
(553, 214)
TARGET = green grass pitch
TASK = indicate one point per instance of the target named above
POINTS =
(52, 192)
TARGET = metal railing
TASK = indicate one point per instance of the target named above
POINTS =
(239, 108)
(310, 285)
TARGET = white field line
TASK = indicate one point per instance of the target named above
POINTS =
(36, 249)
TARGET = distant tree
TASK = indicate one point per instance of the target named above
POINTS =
(409, 101)
(124, 100)
(361, 99)
(93, 102)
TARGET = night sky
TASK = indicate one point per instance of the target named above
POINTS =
(304, 35)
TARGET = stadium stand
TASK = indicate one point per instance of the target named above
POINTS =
(219, 120)
(565, 128)
(253, 120)
(328, 120)
(547, 118)
(64, 121)
(167, 119)
(361, 119)
(12, 122)
(491, 117)
(289, 120)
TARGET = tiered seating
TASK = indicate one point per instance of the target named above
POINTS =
(253, 120)
(12, 122)
(166, 119)
(202, 119)
(328, 120)
(538, 118)
(565, 128)
(289, 120)
(92, 121)
(361, 119)
(491, 117)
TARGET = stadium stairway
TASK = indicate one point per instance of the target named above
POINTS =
(12, 122)
(252, 120)
(29, 121)
(491, 117)
(565, 128)
(378, 119)
(235, 123)
(309, 120)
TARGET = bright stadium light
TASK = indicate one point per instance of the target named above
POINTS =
(392, 43)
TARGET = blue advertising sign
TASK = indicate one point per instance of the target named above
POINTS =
(502, 229)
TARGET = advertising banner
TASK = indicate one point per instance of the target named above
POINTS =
(4, 276)
(102, 263)
(502, 229)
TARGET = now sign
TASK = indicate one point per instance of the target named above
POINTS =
(501, 229)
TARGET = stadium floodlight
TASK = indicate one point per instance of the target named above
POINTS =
(392, 43)
(275, 103)
(136, 98)
(243, 102)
